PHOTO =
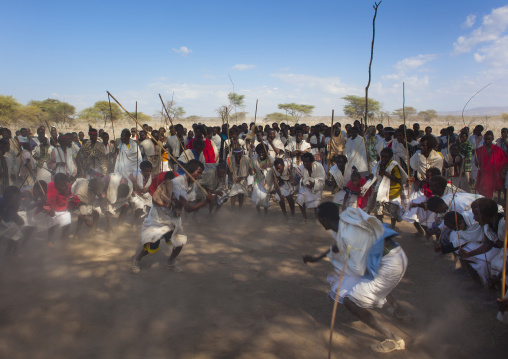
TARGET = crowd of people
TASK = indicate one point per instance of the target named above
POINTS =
(445, 185)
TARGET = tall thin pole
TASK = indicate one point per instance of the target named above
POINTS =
(503, 284)
(111, 115)
(137, 147)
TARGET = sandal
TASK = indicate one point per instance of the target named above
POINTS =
(388, 345)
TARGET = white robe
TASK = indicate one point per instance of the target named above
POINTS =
(311, 198)
(356, 154)
(138, 200)
(128, 158)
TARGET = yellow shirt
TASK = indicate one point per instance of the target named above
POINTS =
(395, 188)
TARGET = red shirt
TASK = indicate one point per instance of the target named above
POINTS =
(56, 201)
(208, 151)
(362, 201)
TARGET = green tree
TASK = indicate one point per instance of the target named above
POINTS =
(410, 111)
(100, 112)
(142, 117)
(177, 112)
(55, 110)
(31, 115)
(9, 107)
(355, 107)
(296, 111)
(236, 100)
(278, 117)
(428, 115)
(504, 116)
(193, 118)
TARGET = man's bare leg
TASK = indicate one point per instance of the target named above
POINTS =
(304, 212)
(241, 198)
(291, 203)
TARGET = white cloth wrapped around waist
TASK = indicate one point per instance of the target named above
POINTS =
(372, 292)
(161, 220)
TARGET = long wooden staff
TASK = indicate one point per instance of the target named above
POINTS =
(137, 147)
(150, 135)
(256, 112)
(111, 116)
(329, 157)
(335, 304)
(170, 120)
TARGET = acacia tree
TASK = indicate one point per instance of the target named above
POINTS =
(408, 110)
(278, 117)
(55, 110)
(355, 107)
(101, 111)
(297, 111)
(9, 107)
(428, 115)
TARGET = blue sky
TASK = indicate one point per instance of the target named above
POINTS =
(275, 51)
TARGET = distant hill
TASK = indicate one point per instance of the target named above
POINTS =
(477, 111)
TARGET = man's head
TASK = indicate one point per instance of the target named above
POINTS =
(65, 140)
(238, 153)
(260, 150)
(133, 132)
(93, 134)
(437, 205)
(23, 132)
(299, 136)
(195, 168)
(198, 145)
(307, 160)
(156, 135)
(386, 156)
(81, 135)
(454, 149)
(427, 144)
(341, 161)
(437, 185)
(399, 135)
(279, 165)
(221, 170)
(327, 214)
(428, 130)
(478, 130)
(142, 135)
(353, 132)
(488, 138)
(199, 131)
(41, 132)
(356, 178)
(123, 190)
(463, 137)
(271, 134)
(431, 172)
(454, 221)
(416, 127)
(146, 168)
(125, 136)
(484, 210)
(380, 129)
(62, 184)
(388, 133)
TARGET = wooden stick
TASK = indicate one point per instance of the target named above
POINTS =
(111, 115)
(375, 6)
(150, 135)
(335, 304)
(137, 147)
(170, 120)
(405, 128)
(329, 157)
(256, 112)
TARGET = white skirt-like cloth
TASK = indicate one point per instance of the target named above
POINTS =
(286, 190)
(60, 219)
(238, 189)
(259, 196)
(425, 218)
(161, 220)
(308, 199)
(368, 292)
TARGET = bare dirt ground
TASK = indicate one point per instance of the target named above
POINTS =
(244, 293)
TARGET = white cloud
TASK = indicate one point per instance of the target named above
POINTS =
(495, 54)
(182, 50)
(405, 66)
(243, 67)
(326, 85)
(492, 27)
(470, 20)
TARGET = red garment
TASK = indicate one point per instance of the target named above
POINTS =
(208, 152)
(56, 201)
(426, 190)
(361, 201)
(157, 180)
(489, 171)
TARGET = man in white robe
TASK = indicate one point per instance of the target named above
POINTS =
(141, 199)
(129, 155)
(63, 157)
(355, 151)
(263, 181)
(373, 265)
(297, 148)
(313, 177)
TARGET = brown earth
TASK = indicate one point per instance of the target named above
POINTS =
(244, 293)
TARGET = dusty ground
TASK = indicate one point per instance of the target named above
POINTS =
(244, 293)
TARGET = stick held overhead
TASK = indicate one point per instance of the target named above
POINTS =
(150, 135)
